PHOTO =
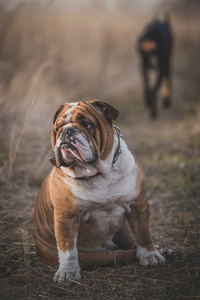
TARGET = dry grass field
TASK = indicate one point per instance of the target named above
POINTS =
(52, 55)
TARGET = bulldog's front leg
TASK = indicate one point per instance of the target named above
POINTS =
(66, 230)
(139, 223)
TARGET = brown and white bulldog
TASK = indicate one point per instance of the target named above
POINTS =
(92, 209)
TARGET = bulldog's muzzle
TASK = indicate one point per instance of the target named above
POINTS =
(73, 145)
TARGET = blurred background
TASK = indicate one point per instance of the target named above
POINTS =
(53, 51)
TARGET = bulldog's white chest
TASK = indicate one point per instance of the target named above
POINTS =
(109, 189)
(107, 196)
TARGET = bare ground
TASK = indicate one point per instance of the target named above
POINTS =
(169, 151)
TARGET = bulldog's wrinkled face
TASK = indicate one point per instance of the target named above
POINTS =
(74, 146)
(83, 132)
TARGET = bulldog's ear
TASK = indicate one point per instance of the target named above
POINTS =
(53, 134)
(106, 108)
(53, 161)
(57, 113)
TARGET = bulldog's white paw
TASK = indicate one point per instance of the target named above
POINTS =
(147, 258)
(69, 268)
(63, 275)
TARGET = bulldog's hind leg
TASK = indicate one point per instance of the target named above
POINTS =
(126, 252)
(124, 238)
(107, 257)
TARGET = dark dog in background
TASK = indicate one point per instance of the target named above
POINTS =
(155, 46)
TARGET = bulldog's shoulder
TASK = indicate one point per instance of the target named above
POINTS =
(135, 176)
(141, 179)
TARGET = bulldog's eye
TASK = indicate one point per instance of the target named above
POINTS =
(56, 129)
(87, 125)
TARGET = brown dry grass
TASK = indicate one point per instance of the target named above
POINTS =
(49, 56)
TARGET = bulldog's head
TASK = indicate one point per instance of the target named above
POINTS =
(83, 132)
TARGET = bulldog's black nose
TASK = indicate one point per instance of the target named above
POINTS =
(70, 131)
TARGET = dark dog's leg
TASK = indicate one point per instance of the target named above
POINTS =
(150, 93)
(165, 91)
(152, 100)
(165, 71)
(144, 71)
(154, 92)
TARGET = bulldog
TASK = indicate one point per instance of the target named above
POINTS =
(92, 208)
